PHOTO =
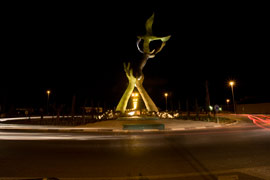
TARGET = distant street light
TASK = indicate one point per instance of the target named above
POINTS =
(48, 93)
(166, 95)
(232, 83)
(228, 101)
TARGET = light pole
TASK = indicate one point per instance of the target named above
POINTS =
(166, 95)
(48, 93)
(231, 83)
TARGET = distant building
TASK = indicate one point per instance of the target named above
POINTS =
(259, 108)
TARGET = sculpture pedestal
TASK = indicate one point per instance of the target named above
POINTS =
(137, 118)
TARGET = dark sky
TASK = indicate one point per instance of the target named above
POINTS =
(80, 48)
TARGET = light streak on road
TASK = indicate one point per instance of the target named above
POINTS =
(55, 136)
(32, 117)
(261, 121)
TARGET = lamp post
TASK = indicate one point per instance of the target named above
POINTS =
(166, 95)
(232, 83)
(48, 93)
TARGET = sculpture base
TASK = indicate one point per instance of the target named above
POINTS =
(144, 127)
(138, 118)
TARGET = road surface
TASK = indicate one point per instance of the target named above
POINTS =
(236, 152)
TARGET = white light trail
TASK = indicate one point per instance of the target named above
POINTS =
(56, 136)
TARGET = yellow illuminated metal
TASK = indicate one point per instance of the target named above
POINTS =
(136, 79)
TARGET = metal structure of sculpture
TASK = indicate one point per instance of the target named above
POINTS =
(135, 74)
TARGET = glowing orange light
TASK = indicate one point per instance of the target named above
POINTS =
(135, 105)
(231, 83)
(131, 113)
(135, 100)
(134, 94)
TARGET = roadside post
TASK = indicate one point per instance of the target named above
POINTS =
(216, 109)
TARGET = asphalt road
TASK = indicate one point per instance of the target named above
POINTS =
(237, 152)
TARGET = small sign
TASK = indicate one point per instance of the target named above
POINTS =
(216, 108)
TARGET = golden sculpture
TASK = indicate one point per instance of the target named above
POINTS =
(136, 77)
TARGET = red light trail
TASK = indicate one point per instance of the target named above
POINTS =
(261, 121)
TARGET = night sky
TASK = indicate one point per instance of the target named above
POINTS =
(80, 49)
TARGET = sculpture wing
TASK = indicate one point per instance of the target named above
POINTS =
(163, 39)
(148, 25)
(166, 38)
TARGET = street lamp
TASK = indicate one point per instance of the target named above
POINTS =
(228, 101)
(166, 95)
(232, 83)
(48, 93)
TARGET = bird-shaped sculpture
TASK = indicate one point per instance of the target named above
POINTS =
(147, 38)
(135, 74)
